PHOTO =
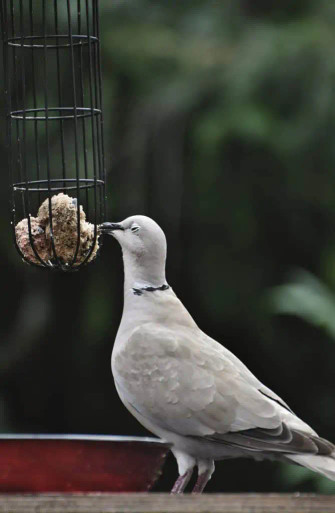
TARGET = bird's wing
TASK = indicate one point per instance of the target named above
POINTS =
(247, 374)
(184, 385)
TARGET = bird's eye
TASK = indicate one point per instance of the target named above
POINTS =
(135, 228)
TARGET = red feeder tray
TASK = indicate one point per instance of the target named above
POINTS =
(79, 463)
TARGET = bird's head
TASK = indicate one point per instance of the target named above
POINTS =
(143, 245)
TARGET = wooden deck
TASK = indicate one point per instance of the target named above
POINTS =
(164, 503)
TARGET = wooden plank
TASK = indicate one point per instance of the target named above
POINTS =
(164, 503)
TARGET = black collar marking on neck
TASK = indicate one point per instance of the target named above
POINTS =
(139, 292)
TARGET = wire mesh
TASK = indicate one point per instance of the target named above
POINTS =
(53, 89)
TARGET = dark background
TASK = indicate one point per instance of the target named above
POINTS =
(220, 125)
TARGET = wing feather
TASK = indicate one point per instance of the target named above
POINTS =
(186, 385)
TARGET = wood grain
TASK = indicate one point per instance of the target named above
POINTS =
(164, 503)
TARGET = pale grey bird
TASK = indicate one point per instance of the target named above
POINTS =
(187, 388)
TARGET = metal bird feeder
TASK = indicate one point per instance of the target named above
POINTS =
(52, 74)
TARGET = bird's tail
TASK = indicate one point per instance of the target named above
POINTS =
(324, 465)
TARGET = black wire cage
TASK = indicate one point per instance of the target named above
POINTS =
(53, 90)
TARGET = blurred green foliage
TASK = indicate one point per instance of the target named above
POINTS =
(306, 297)
(219, 123)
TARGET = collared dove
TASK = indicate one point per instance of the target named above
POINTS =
(187, 388)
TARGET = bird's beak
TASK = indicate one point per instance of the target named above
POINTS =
(110, 227)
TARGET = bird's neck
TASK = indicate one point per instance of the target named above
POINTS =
(139, 273)
(148, 299)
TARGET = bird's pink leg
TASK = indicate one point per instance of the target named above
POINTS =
(205, 471)
(201, 482)
(182, 482)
